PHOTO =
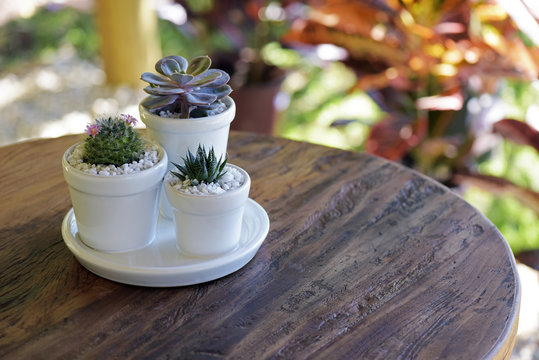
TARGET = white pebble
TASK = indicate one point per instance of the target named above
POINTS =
(231, 180)
(149, 159)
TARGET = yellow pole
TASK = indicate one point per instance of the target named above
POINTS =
(129, 39)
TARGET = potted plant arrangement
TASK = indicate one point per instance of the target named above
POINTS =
(208, 197)
(115, 178)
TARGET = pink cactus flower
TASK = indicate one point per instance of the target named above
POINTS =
(92, 130)
(130, 120)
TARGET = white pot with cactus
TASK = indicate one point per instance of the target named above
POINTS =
(115, 178)
(208, 197)
(188, 104)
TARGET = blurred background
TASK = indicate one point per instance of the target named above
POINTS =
(449, 88)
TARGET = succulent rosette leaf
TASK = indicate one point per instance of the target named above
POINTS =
(198, 65)
(181, 86)
(200, 168)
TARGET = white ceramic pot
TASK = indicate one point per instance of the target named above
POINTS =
(116, 213)
(179, 135)
(208, 225)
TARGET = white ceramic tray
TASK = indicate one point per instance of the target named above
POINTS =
(161, 264)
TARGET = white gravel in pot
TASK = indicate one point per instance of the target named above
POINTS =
(148, 159)
(231, 180)
(170, 115)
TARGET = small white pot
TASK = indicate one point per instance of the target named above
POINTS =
(116, 213)
(179, 135)
(209, 225)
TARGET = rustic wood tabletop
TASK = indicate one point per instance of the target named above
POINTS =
(364, 259)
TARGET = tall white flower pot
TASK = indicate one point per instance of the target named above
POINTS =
(208, 225)
(179, 135)
(116, 213)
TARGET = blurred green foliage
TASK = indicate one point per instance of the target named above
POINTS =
(518, 96)
(175, 40)
(518, 223)
(35, 38)
(519, 164)
(324, 109)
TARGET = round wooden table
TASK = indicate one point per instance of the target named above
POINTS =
(365, 259)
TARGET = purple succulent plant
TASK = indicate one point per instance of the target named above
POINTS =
(182, 86)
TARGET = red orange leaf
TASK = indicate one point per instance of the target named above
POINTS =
(498, 185)
(518, 132)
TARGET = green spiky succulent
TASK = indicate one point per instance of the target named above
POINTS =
(113, 141)
(201, 168)
(188, 88)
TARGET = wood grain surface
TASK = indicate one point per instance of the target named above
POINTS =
(365, 259)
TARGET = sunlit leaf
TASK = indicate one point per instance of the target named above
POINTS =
(490, 12)
(440, 102)
(422, 31)
(522, 59)
(343, 16)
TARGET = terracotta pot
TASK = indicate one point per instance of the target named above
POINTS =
(255, 107)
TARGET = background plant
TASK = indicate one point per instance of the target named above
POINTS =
(235, 34)
(439, 72)
(34, 39)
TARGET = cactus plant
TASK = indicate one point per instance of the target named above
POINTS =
(112, 141)
(191, 89)
(200, 168)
